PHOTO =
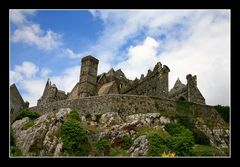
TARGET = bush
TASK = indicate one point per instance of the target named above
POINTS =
(103, 146)
(182, 139)
(182, 143)
(74, 114)
(174, 128)
(15, 151)
(223, 111)
(27, 113)
(156, 145)
(127, 142)
(75, 140)
(199, 136)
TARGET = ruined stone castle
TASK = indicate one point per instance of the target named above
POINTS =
(154, 84)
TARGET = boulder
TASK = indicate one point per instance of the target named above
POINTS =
(139, 147)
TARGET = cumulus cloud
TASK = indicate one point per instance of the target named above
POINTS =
(31, 33)
(140, 58)
(26, 69)
(31, 79)
(187, 41)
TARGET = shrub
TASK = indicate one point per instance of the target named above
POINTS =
(156, 145)
(182, 143)
(103, 146)
(223, 111)
(182, 139)
(27, 113)
(199, 136)
(127, 142)
(74, 114)
(15, 151)
(75, 140)
(174, 128)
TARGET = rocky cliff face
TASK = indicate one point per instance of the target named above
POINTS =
(43, 137)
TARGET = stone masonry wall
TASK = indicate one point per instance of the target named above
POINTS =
(123, 104)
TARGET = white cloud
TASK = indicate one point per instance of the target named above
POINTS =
(26, 69)
(33, 89)
(31, 33)
(204, 52)
(140, 58)
(67, 80)
(73, 55)
(31, 80)
(18, 17)
(45, 72)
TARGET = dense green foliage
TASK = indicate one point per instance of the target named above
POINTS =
(75, 139)
(156, 144)
(103, 147)
(199, 136)
(182, 139)
(182, 143)
(27, 113)
(223, 111)
(74, 114)
(15, 151)
(127, 142)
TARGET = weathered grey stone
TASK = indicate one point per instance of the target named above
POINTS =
(44, 132)
(164, 120)
(110, 118)
(139, 147)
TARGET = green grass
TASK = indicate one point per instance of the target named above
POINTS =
(203, 150)
(29, 124)
(146, 130)
(117, 151)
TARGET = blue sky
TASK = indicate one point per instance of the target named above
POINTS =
(50, 44)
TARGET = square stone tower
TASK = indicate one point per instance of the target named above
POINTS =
(88, 77)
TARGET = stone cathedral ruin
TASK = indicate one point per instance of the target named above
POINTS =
(112, 91)
(155, 83)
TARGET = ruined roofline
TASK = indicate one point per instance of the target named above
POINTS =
(157, 68)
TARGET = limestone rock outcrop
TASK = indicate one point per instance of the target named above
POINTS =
(44, 133)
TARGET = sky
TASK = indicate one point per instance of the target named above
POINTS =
(50, 44)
